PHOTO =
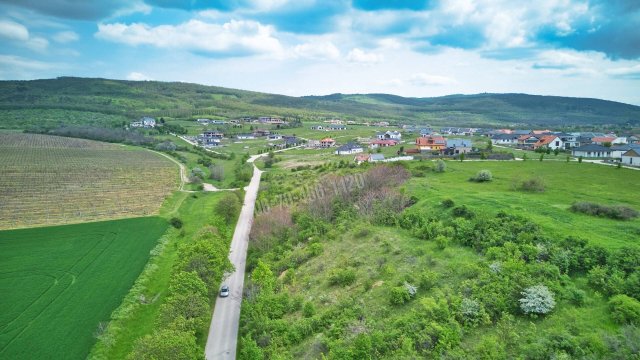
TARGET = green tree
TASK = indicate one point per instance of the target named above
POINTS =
(263, 277)
(489, 145)
(461, 157)
(228, 207)
(625, 309)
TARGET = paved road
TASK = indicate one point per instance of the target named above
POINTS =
(223, 331)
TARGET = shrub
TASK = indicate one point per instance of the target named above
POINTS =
(176, 222)
(441, 166)
(399, 295)
(537, 300)
(447, 203)
(618, 212)
(428, 279)
(532, 185)
(463, 211)
(308, 310)
(166, 344)
(228, 207)
(342, 277)
(625, 309)
(482, 176)
(442, 242)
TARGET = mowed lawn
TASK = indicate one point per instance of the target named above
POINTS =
(58, 283)
(565, 183)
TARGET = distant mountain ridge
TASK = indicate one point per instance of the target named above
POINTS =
(136, 98)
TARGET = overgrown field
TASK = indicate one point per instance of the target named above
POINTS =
(59, 283)
(415, 263)
(49, 180)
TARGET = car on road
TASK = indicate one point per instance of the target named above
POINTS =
(224, 291)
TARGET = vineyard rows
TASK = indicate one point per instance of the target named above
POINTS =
(47, 180)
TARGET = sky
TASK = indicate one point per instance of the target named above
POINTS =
(419, 48)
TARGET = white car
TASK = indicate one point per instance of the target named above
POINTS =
(224, 291)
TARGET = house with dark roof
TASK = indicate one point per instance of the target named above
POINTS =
(631, 157)
(457, 146)
(349, 149)
(389, 135)
(592, 151)
(504, 139)
(376, 157)
(336, 128)
(618, 150)
(382, 143)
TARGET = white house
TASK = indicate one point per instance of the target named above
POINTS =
(148, 122)
(504, 139)
(245, 136)
(389, 135)
(349, 149)
(592, 151)
(631, 157)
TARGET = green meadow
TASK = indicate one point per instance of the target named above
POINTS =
(564, 184)
(59, 283)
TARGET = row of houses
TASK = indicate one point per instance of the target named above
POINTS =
(438, 143)
(628, 154)
(558, 140)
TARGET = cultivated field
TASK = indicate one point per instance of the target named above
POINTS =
(58, 283)
(49, 180)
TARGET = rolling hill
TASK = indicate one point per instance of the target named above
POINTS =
(103, 100)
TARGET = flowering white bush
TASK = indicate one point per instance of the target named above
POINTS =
(537, 300)
(411, 289)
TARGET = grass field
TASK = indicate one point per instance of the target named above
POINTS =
(49, 180)
(58, 283)
(565, 183)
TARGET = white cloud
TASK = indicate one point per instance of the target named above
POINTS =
(65, 37)
(137, 76)
(13, 31)
(360, 56)
(37, 44)
(24, 63)
(232, 38)
(422, 79)
(630, 72)
(317, 50)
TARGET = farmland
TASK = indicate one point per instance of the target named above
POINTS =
(49, 180)
(58, 283)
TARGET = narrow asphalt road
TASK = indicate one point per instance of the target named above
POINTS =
(223, 331)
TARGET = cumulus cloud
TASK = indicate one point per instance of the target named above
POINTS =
(317, 50)
(561, 60)
(137, 76)
(360, 56)
(64, 37)
(422, 79)
(234, 38)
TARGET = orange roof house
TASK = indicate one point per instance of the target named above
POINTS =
(431, 142)
(600, 140)
(550, 141)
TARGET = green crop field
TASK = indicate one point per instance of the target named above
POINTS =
(50, 180)
(59, 283)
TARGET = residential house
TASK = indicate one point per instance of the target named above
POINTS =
(271, 120)
(203, 121)
(618, 150)
(317, 127)
(426, 132)
(620, 140)
(431, 143)
(504, 139)
(521, 132)
(274, 137)
(361, 158)
(313, 144)
(392, 135)
(211, 137)
(145, 122)
(348, 149)
(334, 122)
(457, 146)
(601, 140)
(631, 157)
(541, 132)
(336, 128)
(261, 132)
(245, 136)
(382, 143)
(376, 157)
(592, 151)
(291, 140)
(569, 140)
(527, 141)
(549, 141)
(381, 123)
(327, 142)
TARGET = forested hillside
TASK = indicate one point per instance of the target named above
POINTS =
(113, 101)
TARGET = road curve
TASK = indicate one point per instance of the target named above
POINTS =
(223, 331)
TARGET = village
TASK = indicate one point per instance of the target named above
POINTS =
(383, 142)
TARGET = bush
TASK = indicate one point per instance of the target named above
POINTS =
(399, 295)
(617, 212)
(532, 185)
(441, 166)
(342, 277)
(482, 176)
(625, 309)
(166, 344)
(228, 207)
(537, 300)
(463, 211)
(176, 222)
(442, 242)
(447, 203)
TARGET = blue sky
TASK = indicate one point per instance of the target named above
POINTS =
(587, 48)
